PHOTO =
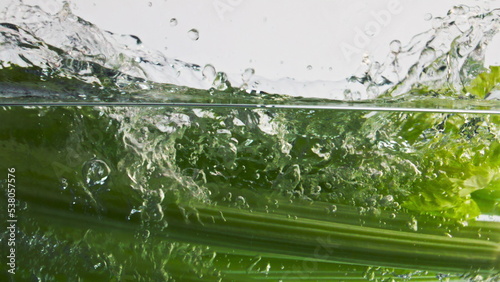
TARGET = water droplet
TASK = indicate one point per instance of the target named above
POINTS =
(208, 72)
(395, 46)
(309, 67)
(247, 74)
(173, 22)
(193, 34)
(95, 172)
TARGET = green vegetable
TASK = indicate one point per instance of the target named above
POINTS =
(164, 193)
(485, 82)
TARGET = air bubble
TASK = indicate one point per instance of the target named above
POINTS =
(209, 72)
(241, 202)
(309, 67)
(194, 34)
(64, 183)
(387, 200)
(95, 172)
(333, 208)
(173, 22)
(428, 17)
(413, 224)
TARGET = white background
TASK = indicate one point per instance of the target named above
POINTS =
(278, 38)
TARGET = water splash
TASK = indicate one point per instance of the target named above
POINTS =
(62, 44)
(194, 34)
(66, 45)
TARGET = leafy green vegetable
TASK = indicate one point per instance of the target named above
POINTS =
(485, 82)
(184, 193)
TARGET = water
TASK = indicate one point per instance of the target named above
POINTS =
(133, 166)
(151, 176)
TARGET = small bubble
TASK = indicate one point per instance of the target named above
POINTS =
(173, 22)
(333, 208)
(395, 46)
(150, 4)
(143, 234)
(309, 67)
(428, 17)
(387, 200)
(64, 183)
(194, 34)
(241, 201)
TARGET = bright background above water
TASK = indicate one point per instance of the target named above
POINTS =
(278, 38)
(292, 47)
